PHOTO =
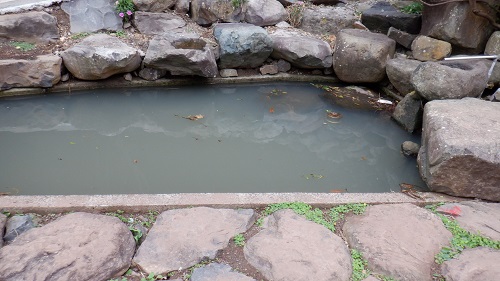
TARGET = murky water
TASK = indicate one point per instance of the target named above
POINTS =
(252, 138)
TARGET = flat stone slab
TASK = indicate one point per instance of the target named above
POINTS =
(398, 241)
(292, 248)
(78, 246)
(473, 264)
(476, 217)
(183, 237)
(92, 15)
(218, 272)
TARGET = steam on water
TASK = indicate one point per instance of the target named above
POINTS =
(256, 138)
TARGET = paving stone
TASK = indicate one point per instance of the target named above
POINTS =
(218, 272)
(17, 225)
(183, 237)
(473, 264)
(78, 246)
(399, 241)
(92, 15)
(292, 248)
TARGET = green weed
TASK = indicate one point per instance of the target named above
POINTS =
(23, 46)
(120, 33)
(125, 9)
(339, 212)
(80, 35)
(239, 240)
(237, 3)
(413, 8)
(359, 266)
(303, 209)
(152, 277)
(137, 233)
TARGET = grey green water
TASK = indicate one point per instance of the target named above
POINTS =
(252, 138)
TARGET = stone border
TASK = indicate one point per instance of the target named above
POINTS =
(44, 204)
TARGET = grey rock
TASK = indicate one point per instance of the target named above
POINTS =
(459, 154)
(449, 79)
(445, 22)
(269, 69)
(429, 49)
(301, 51)
(100, 56)
(473, 264)
(3, 221)
(153, 6)
(206, 12)
(315, 2)
(361, 56)
(399, 72)
(354, 97)
(44, 71)
(228, 72)
(181, 54)
(16, 226)
(64, 77)
(402, 38)
(78, 246)
(327, 19)
(92, 15)
(183, 237)
(292, 248)
(316, 72)
(476, 217)
(493, 44)
(410, 148)
(127, 77)
(152, 74)
(242, 45)
(408, 112)
(217, 271)
(158, 23)
(390, 238)
(32, 27)
(265, 12)
(283, 24)
(283, 66)
(381, 16)
(182, 6)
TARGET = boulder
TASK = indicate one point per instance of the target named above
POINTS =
(390, 238)
(32, 27)
(301, 51)
(460, 144)
(16, 226)
(381, 16)
(181, 238)
(152, 74)
(399, 72)
(206, 12)
(449, 79)
(402, 38)
(158, 23)
(44, 71)
(153, 6)
(181, 54)
(361, 56)
(428, 49)
(410, 148)
(217, 271)
(408, 112)
(289, 247)
(182, 6)
(265, 12)
(78, 246)
(100, 56)
(228, 72)
(92, 15)
(473, 264)
(447, 22)
(327, 19)
(242, 45)
(493, 44)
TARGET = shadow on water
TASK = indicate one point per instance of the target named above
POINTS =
(246, 138)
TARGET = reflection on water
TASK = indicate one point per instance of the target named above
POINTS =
(250, 139)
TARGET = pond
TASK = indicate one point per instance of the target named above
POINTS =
(278, 137)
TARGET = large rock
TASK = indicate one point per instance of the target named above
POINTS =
(100, 56)
(181, 54)
(206, 12)
(381, 16)
(158, 23)
(242, 45)
(398, 241)
(78, 246)
(92, 15)
(17, 225)
(457, 24)
(402, 38)
(460, 144)
(408, 112)
(301, 51)
(153, 6)
(473, 264)
(449, 79)
(44, 71)
(32, 27)
(429, 49)
(361, 56)
(265, 12)
(493, 44)
(327, 20)
(217, 271)
(399, 72)
(293, 248)
(3, 221)
(183, 237)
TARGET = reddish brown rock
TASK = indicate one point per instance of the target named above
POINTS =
(44, 72)
(429, 49)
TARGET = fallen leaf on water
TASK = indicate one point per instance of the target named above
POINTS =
(363, 158)
(454, 211)
(72, 142)
(271, 109)
(193, 117)
(331, 114)
(313, 176)
(338, 190)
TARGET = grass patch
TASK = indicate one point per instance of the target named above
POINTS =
(413, 8)
(80, 35)
(359, 266)
(239, 240)
(23, 46)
